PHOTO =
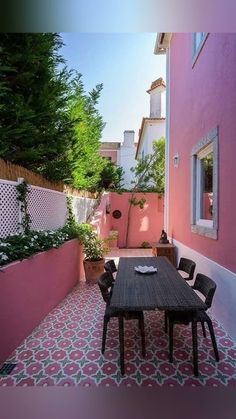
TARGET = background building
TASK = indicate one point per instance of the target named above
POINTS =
(153, 127)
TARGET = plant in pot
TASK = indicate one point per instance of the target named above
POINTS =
(95, 249)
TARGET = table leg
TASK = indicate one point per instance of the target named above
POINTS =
(171, 331)
(195, 347)
(121, 339)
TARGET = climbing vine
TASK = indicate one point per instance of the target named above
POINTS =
(135, 202)
(70, 215)
(22, 193)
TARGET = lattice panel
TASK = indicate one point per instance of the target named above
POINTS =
(9, 212)
(47, 209)
(83, 208)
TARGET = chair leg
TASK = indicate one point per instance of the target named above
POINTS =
(171, 329)
(104, 334)
(213, 339)
(195, 347)
(142, 331)
(166, 322)
(121, 339)
(203, 329)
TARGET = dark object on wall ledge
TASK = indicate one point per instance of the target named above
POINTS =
(116, 214)
(163, 238)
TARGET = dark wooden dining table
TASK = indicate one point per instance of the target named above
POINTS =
(162, 290)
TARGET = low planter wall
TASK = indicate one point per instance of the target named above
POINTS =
(30, 289)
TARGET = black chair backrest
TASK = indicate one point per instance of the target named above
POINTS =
(205, 286)
(188, 266)
(105, 282)
(110, 266)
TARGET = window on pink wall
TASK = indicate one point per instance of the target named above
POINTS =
(198, 40)
(204, 217)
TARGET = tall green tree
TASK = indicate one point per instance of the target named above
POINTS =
(157, 172)
(111, 177)
(48, 123)
(87, 131)
(35, 130)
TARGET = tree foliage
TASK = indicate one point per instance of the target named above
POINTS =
(87, 124)
(149, 173)
(47, 122)
(34, 127)
(111, 176)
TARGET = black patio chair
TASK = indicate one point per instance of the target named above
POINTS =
(188, 268)
(207, 287)
(105, 283)
(110, 267)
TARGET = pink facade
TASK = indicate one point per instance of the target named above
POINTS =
(30, 289)
(203, 97)
(110, 154)
(145, 225)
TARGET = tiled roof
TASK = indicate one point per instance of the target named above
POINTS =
(110, 145)
(156, 83)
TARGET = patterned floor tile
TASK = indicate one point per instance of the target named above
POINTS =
(65, 349)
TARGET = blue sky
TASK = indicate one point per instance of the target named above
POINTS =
(126, 65)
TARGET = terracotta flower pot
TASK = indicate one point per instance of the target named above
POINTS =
(93, 269)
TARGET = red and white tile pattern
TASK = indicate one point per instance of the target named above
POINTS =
(65, 350)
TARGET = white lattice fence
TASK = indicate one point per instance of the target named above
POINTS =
(9, 209)
(47, 208)
(83, 208)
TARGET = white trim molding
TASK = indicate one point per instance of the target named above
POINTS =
(208, 228)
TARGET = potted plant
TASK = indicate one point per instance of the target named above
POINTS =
(95, 250)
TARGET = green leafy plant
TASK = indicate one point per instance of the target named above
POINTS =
(137, 202)
(145, 245)
(21, 246)
(94, 247)
(22, 193)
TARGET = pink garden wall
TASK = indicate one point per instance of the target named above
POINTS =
(145, 225)
(30, 289)
(203, 97)
(101, 220)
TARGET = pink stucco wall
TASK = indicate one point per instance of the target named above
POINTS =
(31, 288)
(101, 220)
(110, 153)
(146, 224)
(202, 98)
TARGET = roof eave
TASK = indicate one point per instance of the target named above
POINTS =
(162, 42)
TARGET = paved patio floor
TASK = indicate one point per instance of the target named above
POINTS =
(65, 349)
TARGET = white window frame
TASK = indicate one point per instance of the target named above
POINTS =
(208, 144)
(197, 44)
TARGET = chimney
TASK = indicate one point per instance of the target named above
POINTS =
(128, 138)
(157, 98)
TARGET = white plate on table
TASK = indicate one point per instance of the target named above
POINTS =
(145, 269)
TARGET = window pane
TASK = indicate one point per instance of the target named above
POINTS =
(198, 36)
(207, 187)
